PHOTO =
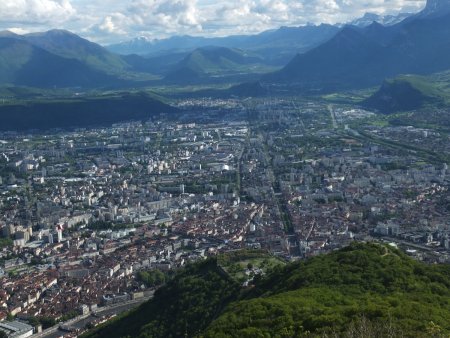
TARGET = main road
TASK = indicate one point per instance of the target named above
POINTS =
(333, 116)
(82, 321)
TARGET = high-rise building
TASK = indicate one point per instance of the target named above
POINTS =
(59, 234)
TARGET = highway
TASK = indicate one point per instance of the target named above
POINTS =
(333, 117)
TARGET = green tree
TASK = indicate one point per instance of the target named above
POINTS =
(47, 322)
(152, 277)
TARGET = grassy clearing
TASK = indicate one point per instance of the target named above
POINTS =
(237, 263)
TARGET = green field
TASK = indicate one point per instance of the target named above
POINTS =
(237, 263)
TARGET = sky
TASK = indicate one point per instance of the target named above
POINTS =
(112, 21)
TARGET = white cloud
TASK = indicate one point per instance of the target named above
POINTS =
(29, 12)
(113, 24)
(112, 20)
(19, 30)
(167, 15)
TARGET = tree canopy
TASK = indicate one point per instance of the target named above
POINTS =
(369, 288)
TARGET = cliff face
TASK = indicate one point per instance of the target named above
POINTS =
(405, 93)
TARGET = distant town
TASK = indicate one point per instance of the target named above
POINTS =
(88, 217)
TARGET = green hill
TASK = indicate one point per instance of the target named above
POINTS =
(68, 45)
(22, 63)
(184, 307)
(370, 289)
(406, 93)
(58, 58)
(102, 110)
(208, 62)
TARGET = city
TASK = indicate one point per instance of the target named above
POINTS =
(224, 169)
(84, 213)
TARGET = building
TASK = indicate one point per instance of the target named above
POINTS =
(59, 232)
(16, 329)
(114, 299)
(83, 309)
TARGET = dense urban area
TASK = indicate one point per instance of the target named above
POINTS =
(94, 219)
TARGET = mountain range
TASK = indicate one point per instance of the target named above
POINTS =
(329, 57)
(68, 45)
(23, 63)
(360, 57)
(58, 58)
(276, 45)
(385, 20)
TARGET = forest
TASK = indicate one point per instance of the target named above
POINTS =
(370, 288)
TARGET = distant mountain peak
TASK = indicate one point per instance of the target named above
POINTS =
(375, 24)
(142, 38)
(385, 20)
(8, 34)
(371, 16)
(53, 33)
(58, 31)
(349, 31)
(139, 39)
